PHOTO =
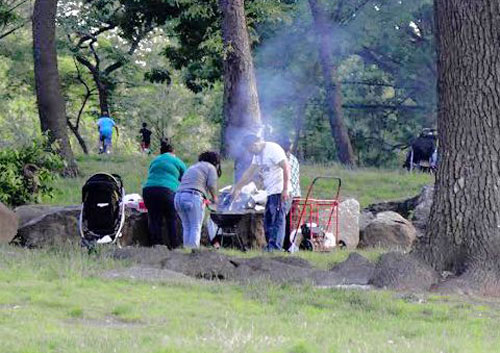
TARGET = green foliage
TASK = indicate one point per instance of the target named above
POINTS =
(12, 16)
(6, 15)
(198, 49)
(156, 75)
(19, 122)
(27, 173)
(384, 57)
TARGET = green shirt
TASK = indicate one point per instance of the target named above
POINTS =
(166, 171)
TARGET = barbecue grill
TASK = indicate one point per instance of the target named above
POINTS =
(227, 223)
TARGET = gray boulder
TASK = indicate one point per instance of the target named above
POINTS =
(365, 218)
(8, 224)
(135, 231)
(44, 226)
(27, 213)
(53, 228)
(349, 216)
(388, 230)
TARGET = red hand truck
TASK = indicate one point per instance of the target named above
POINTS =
(314, 222)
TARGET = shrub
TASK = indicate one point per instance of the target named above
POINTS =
(26, 174)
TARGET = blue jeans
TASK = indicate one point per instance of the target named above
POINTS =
(105, 142)
(189, 205)
(274, 222)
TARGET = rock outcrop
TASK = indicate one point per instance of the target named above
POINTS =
(54, 227)
(8, 224)
(403, 207)
(417, 209)
(388, 230)
(43, 226)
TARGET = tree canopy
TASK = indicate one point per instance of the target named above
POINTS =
(114, 54)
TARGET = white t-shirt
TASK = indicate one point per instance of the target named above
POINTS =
(268, 162)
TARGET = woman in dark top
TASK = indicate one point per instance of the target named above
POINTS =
(164, 175)
(198, 184)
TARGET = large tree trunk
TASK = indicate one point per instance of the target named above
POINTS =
(103, 93)
(51, 106)
(464, 228)
(332, 86)
(241, 103)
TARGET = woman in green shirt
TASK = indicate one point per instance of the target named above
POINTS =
(164, 175)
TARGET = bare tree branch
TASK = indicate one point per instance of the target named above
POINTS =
(96, 57)
(93, 36)
(82, 60)
(88, 94)
(17, 6)
(3, 35)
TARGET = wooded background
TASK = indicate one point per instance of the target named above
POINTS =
(369, 66)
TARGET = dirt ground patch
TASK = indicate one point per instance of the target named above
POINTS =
(160, 263)
(145, 273)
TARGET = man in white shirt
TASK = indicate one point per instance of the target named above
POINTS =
(270, 159)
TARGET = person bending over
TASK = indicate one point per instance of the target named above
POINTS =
(164, 175)
(270, 159)
(105, 125)
(198, 184)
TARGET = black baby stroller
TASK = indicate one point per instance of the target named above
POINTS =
(103, 211)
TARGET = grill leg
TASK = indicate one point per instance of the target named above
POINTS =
(219, 229)
(242, 246)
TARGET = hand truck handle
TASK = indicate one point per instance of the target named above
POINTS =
(325, 177)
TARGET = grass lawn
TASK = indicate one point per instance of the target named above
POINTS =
(366, 185)
(56, 301)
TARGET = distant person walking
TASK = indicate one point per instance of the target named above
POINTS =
(198, 185)
(270, 159)
(295, 191)
(164, 175)
(105, 125)
(145, 138)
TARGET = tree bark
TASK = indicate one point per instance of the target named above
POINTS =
(332, 86)
(241, 103)
(103, 94)
(51, 105)
(464, 228)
